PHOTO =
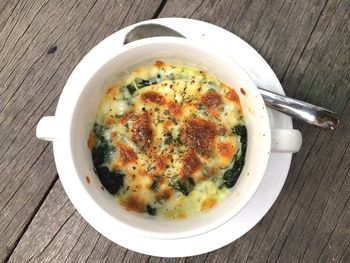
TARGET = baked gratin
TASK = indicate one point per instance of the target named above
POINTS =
(169, 140)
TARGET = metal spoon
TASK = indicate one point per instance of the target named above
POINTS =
(298, 109)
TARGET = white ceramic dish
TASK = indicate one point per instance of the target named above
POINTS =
(98, 211)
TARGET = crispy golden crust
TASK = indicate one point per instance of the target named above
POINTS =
(170, 128)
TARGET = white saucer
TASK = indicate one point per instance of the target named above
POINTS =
(278, 166)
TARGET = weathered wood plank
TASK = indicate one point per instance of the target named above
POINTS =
(58, 233)
(132, 256)
(32, 79)
(164, 260)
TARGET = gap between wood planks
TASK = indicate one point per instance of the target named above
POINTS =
(31, 218)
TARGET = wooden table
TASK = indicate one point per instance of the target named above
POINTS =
(305, 42)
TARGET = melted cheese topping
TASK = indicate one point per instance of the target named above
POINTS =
(163, 139)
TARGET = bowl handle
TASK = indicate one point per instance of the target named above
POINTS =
(50, 128)
(286, 140)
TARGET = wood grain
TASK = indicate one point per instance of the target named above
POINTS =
(305, 42)
(32, 79)
(65, 236)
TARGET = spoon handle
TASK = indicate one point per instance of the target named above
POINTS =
(301, 110)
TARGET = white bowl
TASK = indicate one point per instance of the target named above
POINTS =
(76, 112)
